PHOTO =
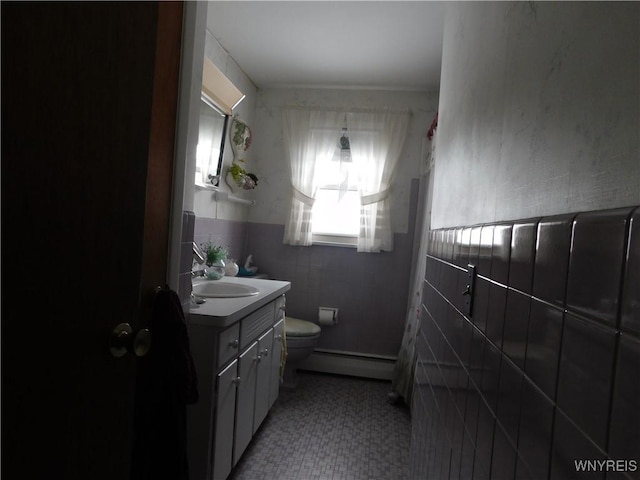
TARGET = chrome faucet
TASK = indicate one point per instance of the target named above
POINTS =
(199, 258)
(198, 254)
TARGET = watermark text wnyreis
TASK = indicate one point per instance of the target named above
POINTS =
(606, 465)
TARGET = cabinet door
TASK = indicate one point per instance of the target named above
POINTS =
(247, 367)
(225, 408)
(276, 362)
(265, 347)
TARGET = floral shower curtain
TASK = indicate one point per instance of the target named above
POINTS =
(402, 383)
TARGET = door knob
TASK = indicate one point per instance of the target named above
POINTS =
(120, 340)
(123, 341)
(142, 342)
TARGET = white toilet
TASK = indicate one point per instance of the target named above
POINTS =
(301, 339)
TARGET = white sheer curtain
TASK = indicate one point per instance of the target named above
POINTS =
(308, 135)
(376, 143)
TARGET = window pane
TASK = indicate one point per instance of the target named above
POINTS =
(332, 172)
(336, 212)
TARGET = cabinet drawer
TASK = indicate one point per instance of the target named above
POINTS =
(228, 344)
(256, 323)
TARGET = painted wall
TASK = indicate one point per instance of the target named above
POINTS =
(372, 315)
(539, 110)
(539, 118)
(369, 289)
(205, 205)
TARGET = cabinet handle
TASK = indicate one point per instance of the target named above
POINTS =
(265, 352)
(236, 381)
(279, 338)
(234, 344)
(258, 359)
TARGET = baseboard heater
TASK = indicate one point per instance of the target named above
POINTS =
(350, 363)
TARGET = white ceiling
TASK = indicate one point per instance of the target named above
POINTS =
(360, 44)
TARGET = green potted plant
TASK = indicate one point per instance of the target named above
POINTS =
(215, 255)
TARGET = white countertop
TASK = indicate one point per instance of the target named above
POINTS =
(222, 312)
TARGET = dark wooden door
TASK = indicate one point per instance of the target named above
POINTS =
(89, 93)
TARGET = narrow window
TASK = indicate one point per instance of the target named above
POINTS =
(336, 211)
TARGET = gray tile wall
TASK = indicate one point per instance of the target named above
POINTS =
(227, 233)
(370, 289)
(545, 370)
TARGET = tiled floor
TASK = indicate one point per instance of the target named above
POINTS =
(330, 428)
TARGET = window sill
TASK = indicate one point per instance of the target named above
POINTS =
(206, 186)
(345, 241)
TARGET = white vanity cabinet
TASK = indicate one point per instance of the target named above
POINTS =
(236, 366)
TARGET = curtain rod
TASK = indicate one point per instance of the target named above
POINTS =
(351, 110)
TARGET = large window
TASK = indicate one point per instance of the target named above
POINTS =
(336, 210)
(340, 184)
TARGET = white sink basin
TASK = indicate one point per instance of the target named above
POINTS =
(216, 289)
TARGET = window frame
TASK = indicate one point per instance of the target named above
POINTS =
(334, 238)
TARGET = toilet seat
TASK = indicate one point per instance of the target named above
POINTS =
(294, 327)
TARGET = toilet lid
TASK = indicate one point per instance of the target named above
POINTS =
(294, 327)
